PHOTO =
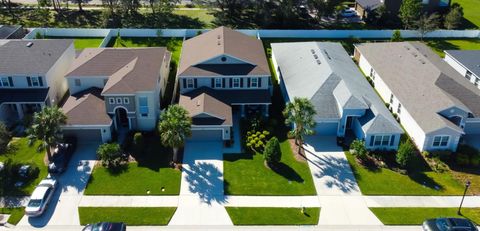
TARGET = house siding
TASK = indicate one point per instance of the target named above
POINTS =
(55, 77)
(85, 83)
(460, 68)
(130, 107)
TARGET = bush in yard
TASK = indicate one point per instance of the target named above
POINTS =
(256, 140)
(475, 160)
(138, 142)
(405, 154)
(462, 159)
(272, 153)
(358, 149)
(4, 138)
(110, 155)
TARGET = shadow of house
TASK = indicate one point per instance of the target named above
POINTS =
(207, 181)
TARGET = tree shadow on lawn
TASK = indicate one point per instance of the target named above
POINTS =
(287, 172)
(154, 156)
(205, 180)
(441, 45)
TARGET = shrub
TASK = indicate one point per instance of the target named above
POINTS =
(475, 160)
(405, 154)
(272, 153)
(358, 149)
(4, 138)
(467, 150)
(256, 140)
(110, 155)
(442, 154)
(138, 142)
(462, 159)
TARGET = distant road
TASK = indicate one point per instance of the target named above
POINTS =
(90, 2)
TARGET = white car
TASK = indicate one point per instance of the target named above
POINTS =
(41, 196)
(347, 13)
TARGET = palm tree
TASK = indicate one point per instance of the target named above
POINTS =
(46, 127)
(175, 126)
(300, 113)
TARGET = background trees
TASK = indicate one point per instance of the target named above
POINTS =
(175, 126)
(427, 23)
(453, 19)
(410, 11)
(4, 138)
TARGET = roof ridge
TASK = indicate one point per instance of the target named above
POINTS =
(119, 79)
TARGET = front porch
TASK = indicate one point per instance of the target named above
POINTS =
(10, 113)
(16, 103)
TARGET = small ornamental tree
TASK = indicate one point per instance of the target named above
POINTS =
(256, 140)
(110, 155)
(358, 149)
(272, 153)
(138, 143)
(405, 154)
(396, 36)
(4, 138)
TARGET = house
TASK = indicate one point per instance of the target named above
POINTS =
(466, 62)
(222, 73)
(366, 7)
(31, 74)
(11, 32)
(115, 89)
(345, 103)
(438, 107)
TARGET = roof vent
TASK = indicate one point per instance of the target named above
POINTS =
(218, 36)
(315, 56)
(422, 61)
(408, 48)
(218, 43)
(198, 103)
(313, 51)
(326, 53)
(29, 44)
(318, 62)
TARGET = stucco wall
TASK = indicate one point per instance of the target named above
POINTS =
(55, 77)
(130, 107)
(85, 83)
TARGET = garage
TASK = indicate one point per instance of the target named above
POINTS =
(206, 135)
(326, 128)
(84, 135)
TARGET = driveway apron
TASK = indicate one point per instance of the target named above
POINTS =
(201, 192)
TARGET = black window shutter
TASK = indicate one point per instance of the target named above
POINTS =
(10, 81)
(230, 83)
(248, 82)
(194, 83)
(259, 82)
(213, 83)
(40, 81)
(241, 82)
(223, 82)
(392, 140)
(29, 81)
(184, 83)
(372, 139)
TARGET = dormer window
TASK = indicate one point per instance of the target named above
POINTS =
(6, 82)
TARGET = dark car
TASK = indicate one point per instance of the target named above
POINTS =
(449, 224)
(61, 156)
(105, 226)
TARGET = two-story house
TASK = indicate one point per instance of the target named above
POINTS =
(222, 73)
(31, 75)
(115, 89)
(437, 106)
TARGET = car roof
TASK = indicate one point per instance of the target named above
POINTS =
(460, 222)
(39, 192)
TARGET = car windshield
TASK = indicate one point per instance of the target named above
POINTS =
(34, 203)
(442, 224)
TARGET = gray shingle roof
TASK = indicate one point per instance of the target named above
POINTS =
(6, 31)
(470, 59)
(17, 58)
(333, 85)
(369, 4)
(422, 81)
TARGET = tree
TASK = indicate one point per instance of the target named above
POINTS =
(396, 36)
(4, 138)
(272, 153)
(110, 154)
(46, 127)
(300, 113)
(323, 8)
(227, 12)
(454, 17)
(405, 154)
(409, 13)
(427, 23)
(358, 149)
(175, 126)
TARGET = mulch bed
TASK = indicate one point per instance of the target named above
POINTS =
(300, 157)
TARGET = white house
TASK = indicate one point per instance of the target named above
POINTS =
(437, 106)
(466, 62)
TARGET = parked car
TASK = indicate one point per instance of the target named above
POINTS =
(347, 13)
(106, 226)
(448, 224)
(41, 196)
(61, 156)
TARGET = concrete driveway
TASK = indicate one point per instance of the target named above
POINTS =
(201, 192)
(62, 209)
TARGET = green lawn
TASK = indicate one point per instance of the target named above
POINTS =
(201, 15)
(246, 174)
(470, 13)
(415, 216)
(16, 214)
(129, 215)
(454, 44)
(82, 42)
(151, 173)
(273, 216)
(384, 181)
(26, 154)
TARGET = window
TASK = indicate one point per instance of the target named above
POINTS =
(468, 75)
(440, 141)
(143, 106)
(35, 82)
(218, 83)
(119, 100)
(77, 82)
(378, 140)
(254, 82)
(126, 100)
(444, 3)
(190, 83)
(111, 100)
(477, 81)
(5, 82)
(381, 140)
(391, 98)
(399, 109)
(372, 74)
(236, 82)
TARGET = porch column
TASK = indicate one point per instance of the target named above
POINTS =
(19, 110)
(266, 110)
(115, 121)
(242, 110)
(129, 123)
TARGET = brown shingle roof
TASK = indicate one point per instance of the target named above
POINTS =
(205, 107)
(86, 108)
(129, 69)
(218, 42)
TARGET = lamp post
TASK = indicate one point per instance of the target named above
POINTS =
(467, 184)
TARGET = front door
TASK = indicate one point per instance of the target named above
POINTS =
(122, 117)
(349, 122)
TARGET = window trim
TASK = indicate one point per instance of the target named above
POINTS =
(6, 83)
(233, 82)
(441, 143)
(399, 109)
(35, 81)
(111, 100)
(126, 100)
(118, 100)
(140, 106)
(190, 81)
(381, 140)
(220, 83)
(78, 82)
(256, 82)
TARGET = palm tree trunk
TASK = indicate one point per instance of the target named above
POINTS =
(175, 155)
(80, 9)
(49, 153)
(300, 147)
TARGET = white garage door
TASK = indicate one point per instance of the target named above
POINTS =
(206, 135)
(326, 129)
(84, 135)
